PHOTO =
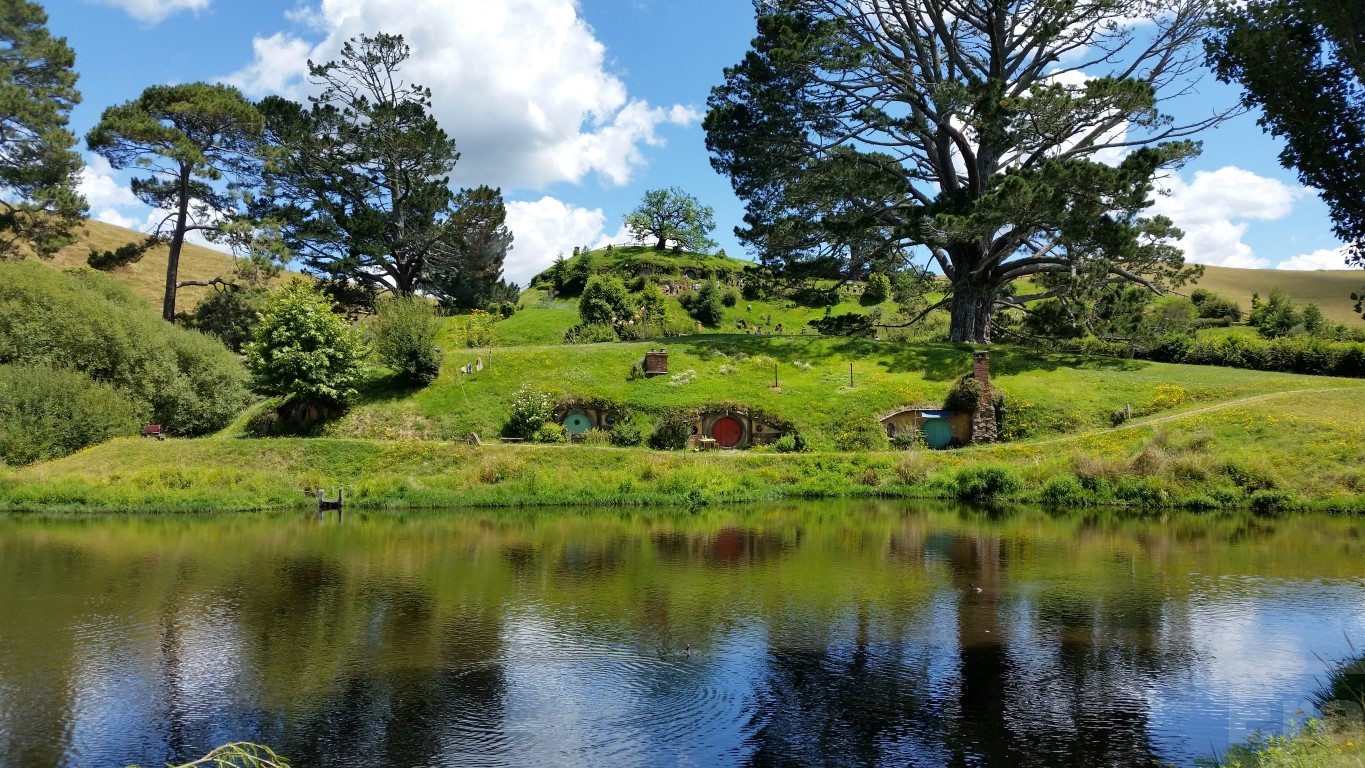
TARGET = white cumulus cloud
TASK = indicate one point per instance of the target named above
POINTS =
(154, 11)
(1323, 258)
(544, 229)
(521, 85)
(1215, 210)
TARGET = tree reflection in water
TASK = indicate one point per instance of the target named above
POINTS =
(823, 636)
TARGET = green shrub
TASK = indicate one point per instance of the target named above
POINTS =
(550, 433)
(878, 288)
(985, 483)
(305, 351)
(531, 409)
(90, 323)
(596, 436)
(964, 396)
(792, 442)
(46, 413)
(405, 329)
(605, 301)
(1063, 490)
(626, 433)
(730, 297)
(1271, 501)
(707, 304)
(672, 431)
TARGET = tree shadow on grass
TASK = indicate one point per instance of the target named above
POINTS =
(385, 388)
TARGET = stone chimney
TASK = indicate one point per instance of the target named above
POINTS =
(983, 421)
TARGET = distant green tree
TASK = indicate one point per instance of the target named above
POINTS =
(580, 270)
(605, 301)
(1313, 321)
(229, 314)
(467, 271)
(653, 308)
(189, 139)
(1276, 316)
(672, 214)
(303, 349)
(39, 204)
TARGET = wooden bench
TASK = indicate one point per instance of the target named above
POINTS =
(513, 439)
(153, 430)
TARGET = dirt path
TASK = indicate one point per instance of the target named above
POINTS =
(1147, 422)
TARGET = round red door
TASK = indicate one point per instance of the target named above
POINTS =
(727, 432)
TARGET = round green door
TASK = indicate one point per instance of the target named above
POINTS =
(937, 433)
(577, 422)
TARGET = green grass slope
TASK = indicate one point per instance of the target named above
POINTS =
(1230, 454)
(1329, 289)
(1046, 394)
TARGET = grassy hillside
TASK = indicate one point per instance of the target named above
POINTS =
(147, 277)
(1228, 455)
(1329, 289)
(1046, 394)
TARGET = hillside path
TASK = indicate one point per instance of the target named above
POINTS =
(1147, 422)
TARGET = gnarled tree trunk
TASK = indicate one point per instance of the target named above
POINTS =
(971, 312)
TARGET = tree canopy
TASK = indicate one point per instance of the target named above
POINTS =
(466, 272)
(1005, 138)
(39, 204)
(672, 214)
(198, 143)
(359, 180)
(1302, 63)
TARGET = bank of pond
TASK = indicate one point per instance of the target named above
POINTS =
(909, 633)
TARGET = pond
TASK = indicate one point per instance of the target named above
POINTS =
(820, 634)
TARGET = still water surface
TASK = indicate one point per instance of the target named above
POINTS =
(820, 635)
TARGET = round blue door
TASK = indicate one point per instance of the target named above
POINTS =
(937, 433)
(577, 422)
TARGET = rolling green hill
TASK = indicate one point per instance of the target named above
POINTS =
(147, 277)
(1329, 289)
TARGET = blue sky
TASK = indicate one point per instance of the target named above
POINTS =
(575, 108)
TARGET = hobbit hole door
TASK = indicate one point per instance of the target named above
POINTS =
(577, 421)
(727, 432)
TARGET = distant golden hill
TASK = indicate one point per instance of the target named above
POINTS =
(1329, 289)
(148, 276)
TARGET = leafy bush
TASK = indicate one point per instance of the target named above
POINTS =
(626, 433)
(1215, 306)
(672, 431)
(303, 350)
(1062, 490)
(730, 297)
(46, 413)
(405, 329)
(878, 288)
(1270, 501)
(531, 409)
(985, 483)
(964, 396)
(792, 442)
(707, 304)
(605, 301)
(550, 433)
(90, 323)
